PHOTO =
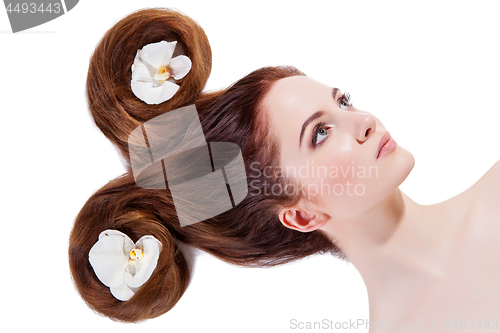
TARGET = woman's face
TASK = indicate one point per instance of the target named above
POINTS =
(332, 147)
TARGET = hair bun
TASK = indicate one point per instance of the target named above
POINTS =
(114, 107)
(122, 206)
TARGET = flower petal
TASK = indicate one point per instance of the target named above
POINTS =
(142, 71)
(145, 91)
(153, 95)
(151, 247)
(169, 90)
(158, 54)
(180, 66)
(109, 257)
(123, 292)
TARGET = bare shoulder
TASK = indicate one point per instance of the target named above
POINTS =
(487, 190)
(491, 179)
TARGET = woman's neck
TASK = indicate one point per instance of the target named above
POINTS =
(398, 243)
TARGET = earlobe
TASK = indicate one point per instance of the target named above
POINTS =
(301, 220)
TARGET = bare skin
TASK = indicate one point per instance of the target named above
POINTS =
(426, 267)
(458, 283)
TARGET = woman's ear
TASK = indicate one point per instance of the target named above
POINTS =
(301, 220)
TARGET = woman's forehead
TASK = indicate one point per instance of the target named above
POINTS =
(296, 93)
(288, 104)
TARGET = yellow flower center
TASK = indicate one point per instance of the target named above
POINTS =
(163, 74)
(136, 254)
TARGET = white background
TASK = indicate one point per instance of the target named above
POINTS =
(429, 70)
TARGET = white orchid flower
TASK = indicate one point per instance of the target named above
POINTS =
(122, 265)
(154, 72)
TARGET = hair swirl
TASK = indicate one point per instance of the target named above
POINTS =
(114, 107)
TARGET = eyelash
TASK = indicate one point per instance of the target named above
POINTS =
(346, 97)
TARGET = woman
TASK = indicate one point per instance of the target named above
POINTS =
(360, 216)
(433, 258)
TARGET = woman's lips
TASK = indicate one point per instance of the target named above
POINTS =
(386, 145)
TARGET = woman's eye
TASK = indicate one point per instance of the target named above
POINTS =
(345, 101)
(320, 134)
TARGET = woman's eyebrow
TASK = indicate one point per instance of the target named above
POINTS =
(307, 122)
(314, 116)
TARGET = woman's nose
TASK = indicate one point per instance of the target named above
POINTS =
(363, 125)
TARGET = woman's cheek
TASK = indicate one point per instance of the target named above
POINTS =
(340, 181)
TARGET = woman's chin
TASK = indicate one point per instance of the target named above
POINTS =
(402, 163)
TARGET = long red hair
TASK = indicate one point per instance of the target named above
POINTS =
(249, 234)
